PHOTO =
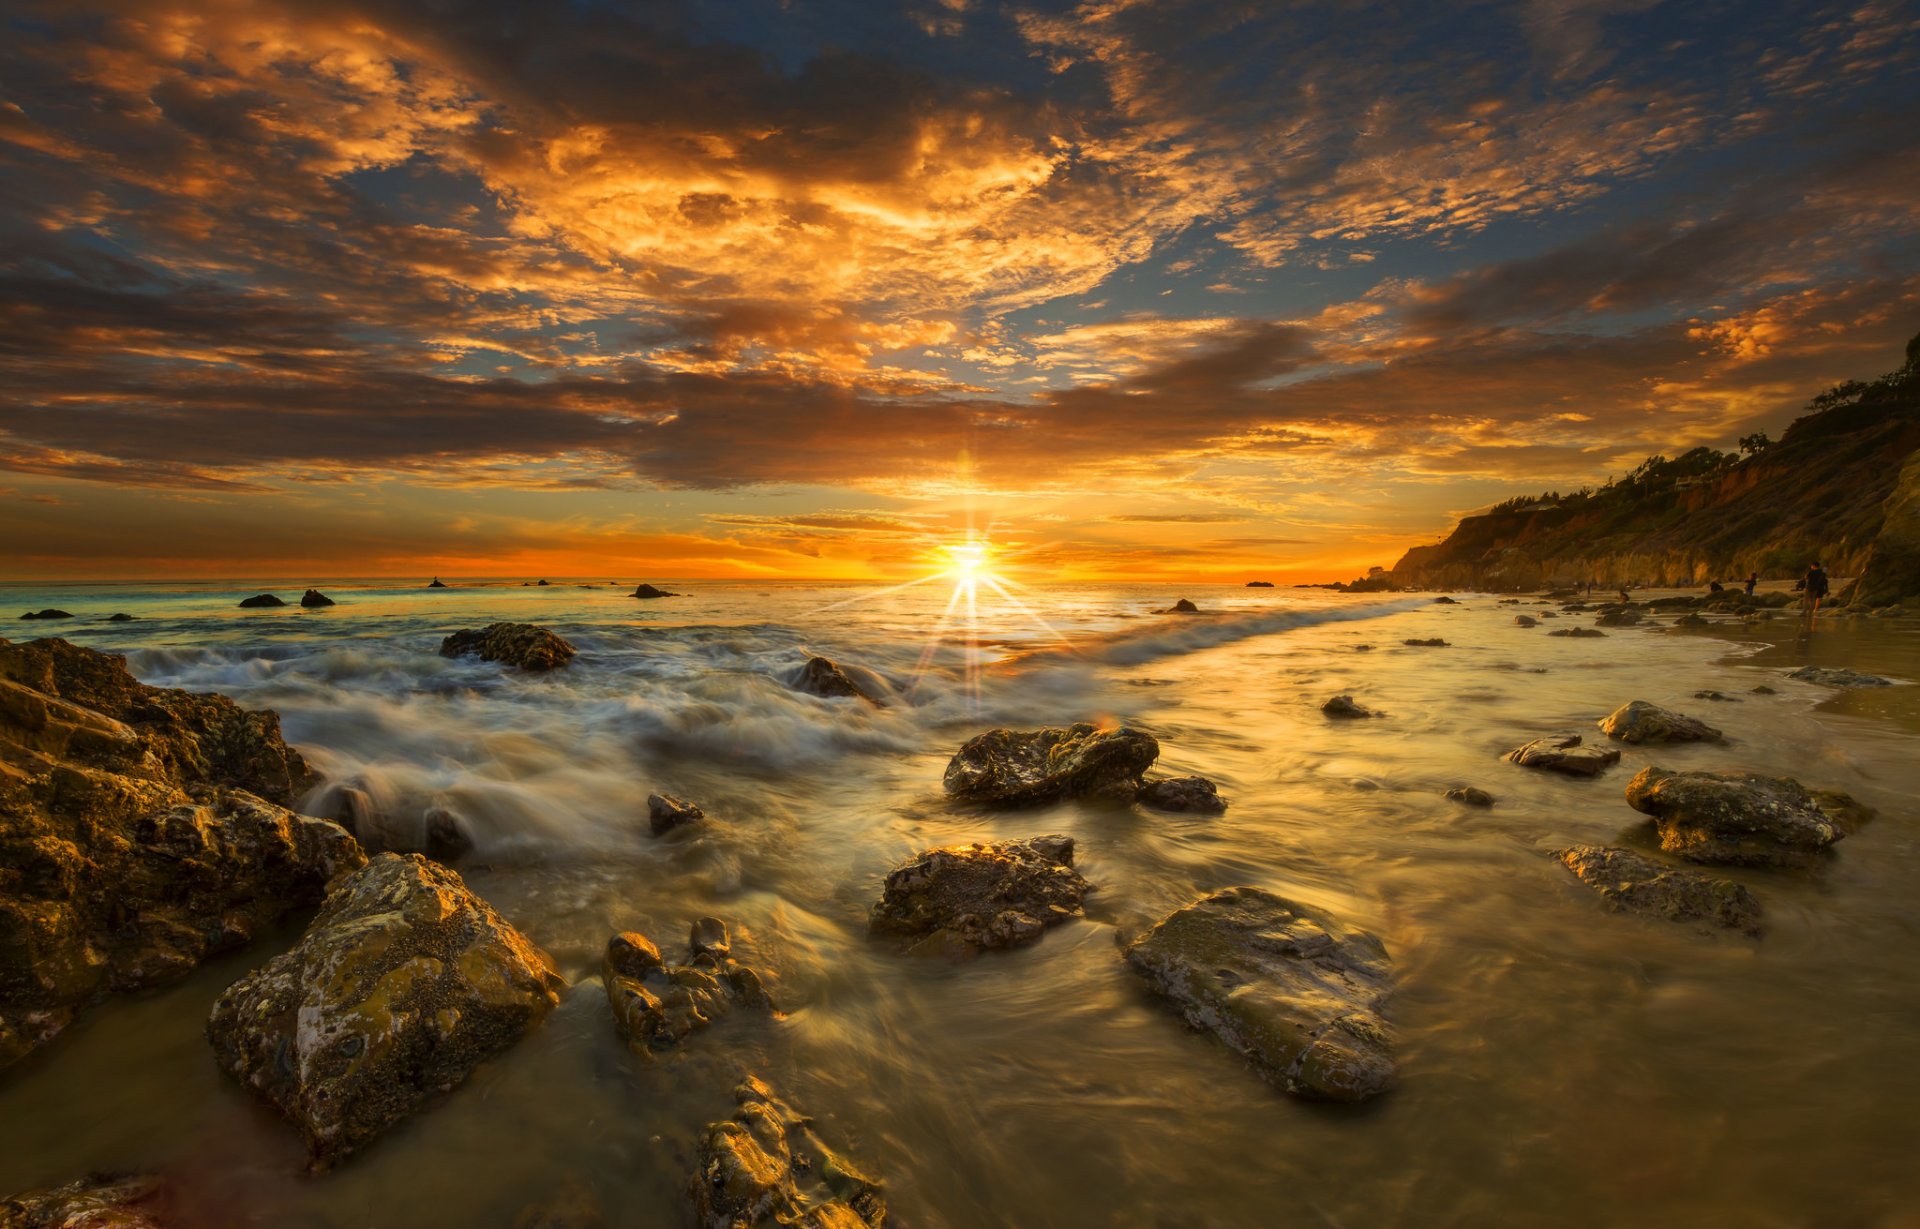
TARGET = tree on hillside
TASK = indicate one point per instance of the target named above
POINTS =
(1755, 444)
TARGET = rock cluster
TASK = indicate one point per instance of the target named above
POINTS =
(1832, 677)
(961, 899)
(1291, 988)
(1742, 818)
(657, 1005)
(1578, 633)
(1631, 883)
(514, 644)
(765, 1168)
(1642, 722)
(1032, 767)
(142, 830)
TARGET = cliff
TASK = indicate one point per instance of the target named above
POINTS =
(1830, 489)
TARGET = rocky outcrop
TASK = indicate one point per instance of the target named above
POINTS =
(1192, 794)
(1577, 633)
(961, 899)
(1183, 606)
(1742, 818)
(1630, 883)
(1346, 708)
(1891, 575)
(648, 591)
(656, 1005)
(49, 613)
(1828, 676)
(1641, 722)
(766, 1168)
(142, 831)
(97, 1201)
(1564, 753)
(824, 678)
(1013, 768)
(260, 601)
(665, 813)
(313, 599)
(1291, 988)
(1259, 584)
(404, 983)
(514, 644)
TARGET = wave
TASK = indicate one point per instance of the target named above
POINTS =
(1192, 633)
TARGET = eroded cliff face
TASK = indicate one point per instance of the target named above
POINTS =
(1892, 572)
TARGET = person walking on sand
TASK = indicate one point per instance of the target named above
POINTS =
(1753, 578)
(1816, 586)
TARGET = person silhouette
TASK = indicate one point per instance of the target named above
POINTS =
(1816, 586)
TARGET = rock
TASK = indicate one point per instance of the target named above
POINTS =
(1259, 584)
(648, 591)
(1435, 643)
(1363, 648)
(821, 677)
(964, 898)
(142, 831)
(403, 983)
(540, 584)
(1641, 722)
(1289, 987)
(1742, 818)
(1444, 601)
(656, 1005)
(1549, 614)
(1183, 606)
(1564, 754)
(48, 613)
(1619, 618)
(665, 813)
(1582, 633)
(1033, 767)
(1195, 794)
(1344, 706)
(313, 599)
(515, 644)
(1719, 697)
(765, 1168)
(1764, 690)
(436, 584)
(1473, 796)
(1691, 619)
(97, 1201)
(1631, 883)
(121, 617)
(260, 601)
(1525, 621)
(1838, 678)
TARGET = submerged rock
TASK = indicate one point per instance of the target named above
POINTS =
(1577, 633)
(97, 1201)
(1691, 619)
(1718, 697)
(1434, 643)
(1564, 753)
(1630, 883)
(1472, 795)
(1033, 767)
(49, 613)
(1742, 818)
(121, 617)
(260, 601)
(1838, 678)
(965, 898)
(142, 831)
(824, 678)
(1764, 690)
(1195, 794)
(1345, 707)
(648, 591)
(1444, 601)
(656, 1005)
(403, 983)
(1288, 986)
(514, 644)
(665, 813)
(313, 599)
(1642, 722)
(1521, 620)
(1620, 618)
(765, 1168)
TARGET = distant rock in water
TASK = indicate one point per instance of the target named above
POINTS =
(121, 617)
(1034, 767)
(650, 591)
(1259, 584)
(1345, 707)
(313, 598)
(144, 832)
(1642, 722)
(436, 584)
(1471, 795)
(1719, 697)
(822, 677)
(260, 601)
(962, 899)
(1433, 643)
(1288, 986)
(48, 613)
(1619, 618)
(1444, 601)
(656, 1006)
(1838, 678)
(1183, 606)
(1742, 818)
(400, 987)
(1192, 794)
(665, 813)
(1578, 633)
(1764, 690)
(765, 1168)
(515, 644)
(540, 584)
(1564, 754)
(1521, 620)
(1631, 883)
(97, 1201)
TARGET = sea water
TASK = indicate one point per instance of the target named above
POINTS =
(1560, 1064)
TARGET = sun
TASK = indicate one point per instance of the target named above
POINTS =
(969, 558)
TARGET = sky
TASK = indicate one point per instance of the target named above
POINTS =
(1188, 289)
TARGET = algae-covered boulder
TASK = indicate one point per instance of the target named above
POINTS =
(1631, 883)
(1564, 754)
(1196, 795)
(1642, 722)
(1288, 986)
(1742, 818)
(142, 830)
(515, 644)
(97, 1201)
(963, 898)
(1033, 767)
(400, 987)
(657, 1005)
(765, 1168)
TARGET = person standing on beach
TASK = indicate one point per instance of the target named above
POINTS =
(1753, 578)
(1816, 586)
